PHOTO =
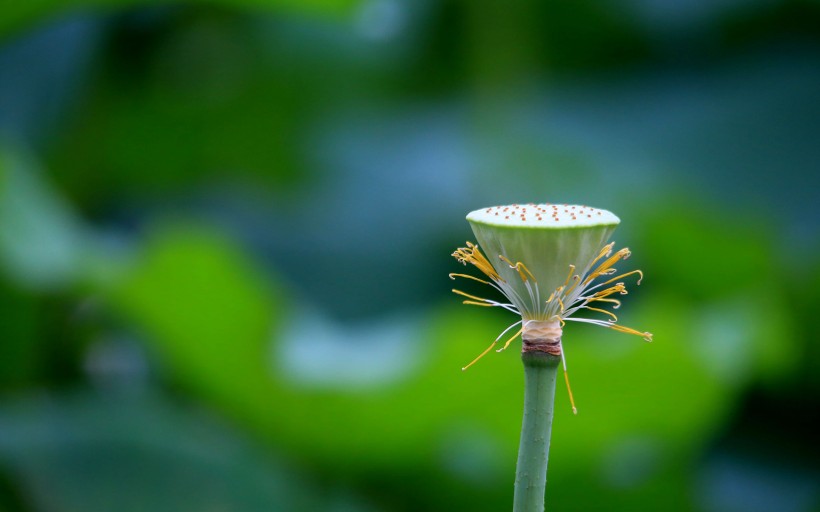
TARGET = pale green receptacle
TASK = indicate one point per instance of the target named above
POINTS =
(546, 251)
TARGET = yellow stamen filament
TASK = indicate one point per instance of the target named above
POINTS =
(518, 267)
(577, 279)
(569, 390)
(618, 288)
(569, 276)
(612, 301)
(614, 318)
(474, 361)
(459, 292)
(467, 276)
(628, 330)
(507, 344)
(506, 260)
(625, 275)
(474, 303)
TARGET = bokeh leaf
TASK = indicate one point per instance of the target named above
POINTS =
(41, 242)
(17, 15)
(94, 454)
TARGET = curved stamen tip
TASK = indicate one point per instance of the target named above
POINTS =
(647, 336)
(574, 410)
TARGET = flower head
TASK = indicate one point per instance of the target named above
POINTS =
(551, 262)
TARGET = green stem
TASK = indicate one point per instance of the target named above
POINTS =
(540, 373)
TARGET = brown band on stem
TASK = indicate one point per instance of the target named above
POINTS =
(542, 336)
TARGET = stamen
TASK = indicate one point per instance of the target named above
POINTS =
(471, 254)
(569, 390)
(532, 294)
(509, 307)
(505, 331)
(577, 292)
(569, 276)
(459, 292)
(467, 276)
(474, 361)
(614, 318)
(518, 266)
(496, 341)
(593, 321)
(536, 301)
(628, 330)
(474, 303)
(605, 266)
(616, 302)
(625, 275)
(507, 344)
(605, 251)
(618, 288)
(566, 379)
(577, 279)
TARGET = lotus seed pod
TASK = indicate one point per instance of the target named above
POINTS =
(549, 239)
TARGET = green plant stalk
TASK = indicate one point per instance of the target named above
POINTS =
(540, 373)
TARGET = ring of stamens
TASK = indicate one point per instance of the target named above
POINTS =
(562, 303)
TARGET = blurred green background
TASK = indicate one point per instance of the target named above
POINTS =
(225, 231)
